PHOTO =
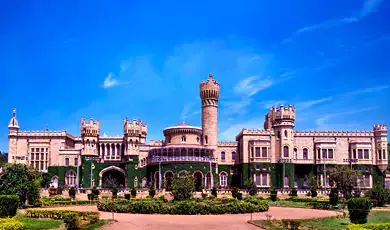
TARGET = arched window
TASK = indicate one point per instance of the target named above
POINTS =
(384, 154)
(278, 134)
(222, 156)
(183, 139)
(70, 177)
(223, 177)
(205, 139)
(233, 156)
(285, 151)
(197, 139)
(285, 134)
(66, 161)
(76, 161)
(286, 181)
(305, 154)
(295, 153)
(305, 181)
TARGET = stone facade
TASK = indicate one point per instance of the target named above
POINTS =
(277, 155)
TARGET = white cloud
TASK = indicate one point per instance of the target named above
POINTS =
(366, 90)
(236, 107)
(309, 104)
(251, 85)
(109, 81)
(369, 7)
(188, 112)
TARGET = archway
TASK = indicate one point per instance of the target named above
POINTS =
(198, 176)
(168, 175)
(112, 177)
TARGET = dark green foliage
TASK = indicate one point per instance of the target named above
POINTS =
(334, 196)
(133, 192)
(239, 196)
(114, 192)
(294, 192)
(152, 192)
(321, 205)
(8, 205)
(59, 190)
(3, 158)
(127, 196)
(358, 209)
(95, 191)
(274, 195)
(72, 220)
(380, 194)
(345, 178)
(214, 192)
(45, 180)
(204, 195)
(182, 187)
(292, 224)
(234, 192)
(91, 196)
(72, 192)
(251, 187)
(313, 191)
(18, 179)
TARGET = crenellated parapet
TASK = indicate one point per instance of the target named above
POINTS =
(48, 133)
(315, 133)
(283, 113)
(135, 128)
(156, 142)
(227, 143)
(209, 91)
(90, 128)
(256, 132)
(380, 128)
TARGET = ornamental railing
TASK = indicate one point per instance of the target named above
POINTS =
(181, 158)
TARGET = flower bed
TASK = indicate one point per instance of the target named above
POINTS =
(187, 207)
(368, 226)
(11, 224)
(90, 217)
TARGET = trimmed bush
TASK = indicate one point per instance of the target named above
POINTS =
(214, 192)
(313, 192)
(334, 196)
(72, 192)
(127, 196)
(383, 226)
(72, 220)
(114, 192)
(91, 217)
(133, 192)
(69, 203)
(182, 187)
(380, 194)
(294, 192)
(95, 192)
(8, 205)
(358, 209)
(274, 195)
(316, 199)
(152, 192)
(234, 192)
(11, 224)
(239, 196)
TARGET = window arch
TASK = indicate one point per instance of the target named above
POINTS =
(285, 151)
(223, 157)
(205, 139)
(278, 134)
(70, 177)
(233, 156)
(285, 133)
(76, 161)
(295, 153)
(183, 139)
(223, 178)
(305, 154)
(67, 161)
(197, 140)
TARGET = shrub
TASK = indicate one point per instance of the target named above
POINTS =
(254, 200)
(72, 192)
(291, 224)
(234, 192)
(334, 196)
(368, 226)
(358, 209)
(8, 205)
(127, 196)
(274, 195)
(323, 206)
(252, 188)
(68, 203)
(294, 192)
(214, 192)
(95, 192)
(204, 195)
(152, 192)
(182, 187)
(11, 224)
(91, 217)
(114, 192)
(91, 196)
(380, 194)
(72, 220)
(313, 192)
(59, 190)
(239, 196)
(133, 192)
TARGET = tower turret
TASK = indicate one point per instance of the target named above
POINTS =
(380, 137)
(13, 126)
(135, 133)
(209, 94)
(90, 132)
(13, 129)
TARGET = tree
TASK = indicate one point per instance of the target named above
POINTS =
(345, 179)
(182, 186)
(20, 180)
(3, 158)
(251, 186)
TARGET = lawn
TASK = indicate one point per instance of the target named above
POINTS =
(39, 224)
(288, 203)
(375, 217)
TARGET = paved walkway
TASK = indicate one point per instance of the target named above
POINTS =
(198, 222)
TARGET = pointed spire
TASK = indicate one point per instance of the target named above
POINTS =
(13, 123)
(210, 76)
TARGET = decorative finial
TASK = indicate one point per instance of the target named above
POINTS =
(14, 112)
(210, 75)
(47, 128)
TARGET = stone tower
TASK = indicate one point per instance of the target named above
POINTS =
(283, 124)
(380, 137)
(134, 133)
(13, 129)
(209, 94)
(90, 132)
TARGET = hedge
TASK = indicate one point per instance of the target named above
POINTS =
(8, 205)
(358, 209)
(11, 224)
(67, 203)
(188, 207)
(91, 217)
(319, 200)
(385, 226)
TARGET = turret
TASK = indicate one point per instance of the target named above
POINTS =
(380, 137)
(209, 94)
(90, 132)
(135, 133)
(13, 126)
(13, 130)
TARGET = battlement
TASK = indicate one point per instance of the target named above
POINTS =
(381, 127)
(135, 128)
(48, 133)
(316, 133)
(281, 112)
(156, 142)
(209, 89)
(227, 143)
(90, 128)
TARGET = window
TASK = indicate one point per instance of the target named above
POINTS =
(32, 150)
(37, 164)
(66, 161)
(76, 161)
(37, 156)
(233, 156)
(295, 153)
(366, 154)
(183, 139)
(285, 134)
(197, 139)
(384, 154)
(286, 181)
(41, 165)
(305, 154)
(205, 139)
(42, 156)
(360, 154)
(257, 167)
(330, 153)
(305, 181)
(264, 152)
(379, 154)
(223, 179)
(354, 153)
(278, 134)
(285, 151)
(264, 179)
(70, 177)
(222, 156)
(324, 153)
(261, 179)
(257, 151)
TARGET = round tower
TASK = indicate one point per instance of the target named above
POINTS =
(380, 137)
(209, 94)
(90, 132)
(283, 124)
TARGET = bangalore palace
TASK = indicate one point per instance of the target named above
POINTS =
(276, 156)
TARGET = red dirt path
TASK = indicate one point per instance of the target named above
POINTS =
(197, 222)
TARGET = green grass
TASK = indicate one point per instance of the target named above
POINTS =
(288, 203)
(96, 225)
(30, 223)
(375, 217)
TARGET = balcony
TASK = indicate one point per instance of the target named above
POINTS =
(206, 159)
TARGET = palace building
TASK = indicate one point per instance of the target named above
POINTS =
(277, 156)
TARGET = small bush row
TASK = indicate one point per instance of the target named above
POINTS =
(188, 207)
(358, 209)
(67, 203)
(8, 205)
(385, 226)
(307, 199)
(11, 224)
(322, 206)
(90, 217)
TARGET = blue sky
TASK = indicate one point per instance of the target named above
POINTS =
(60, 62)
